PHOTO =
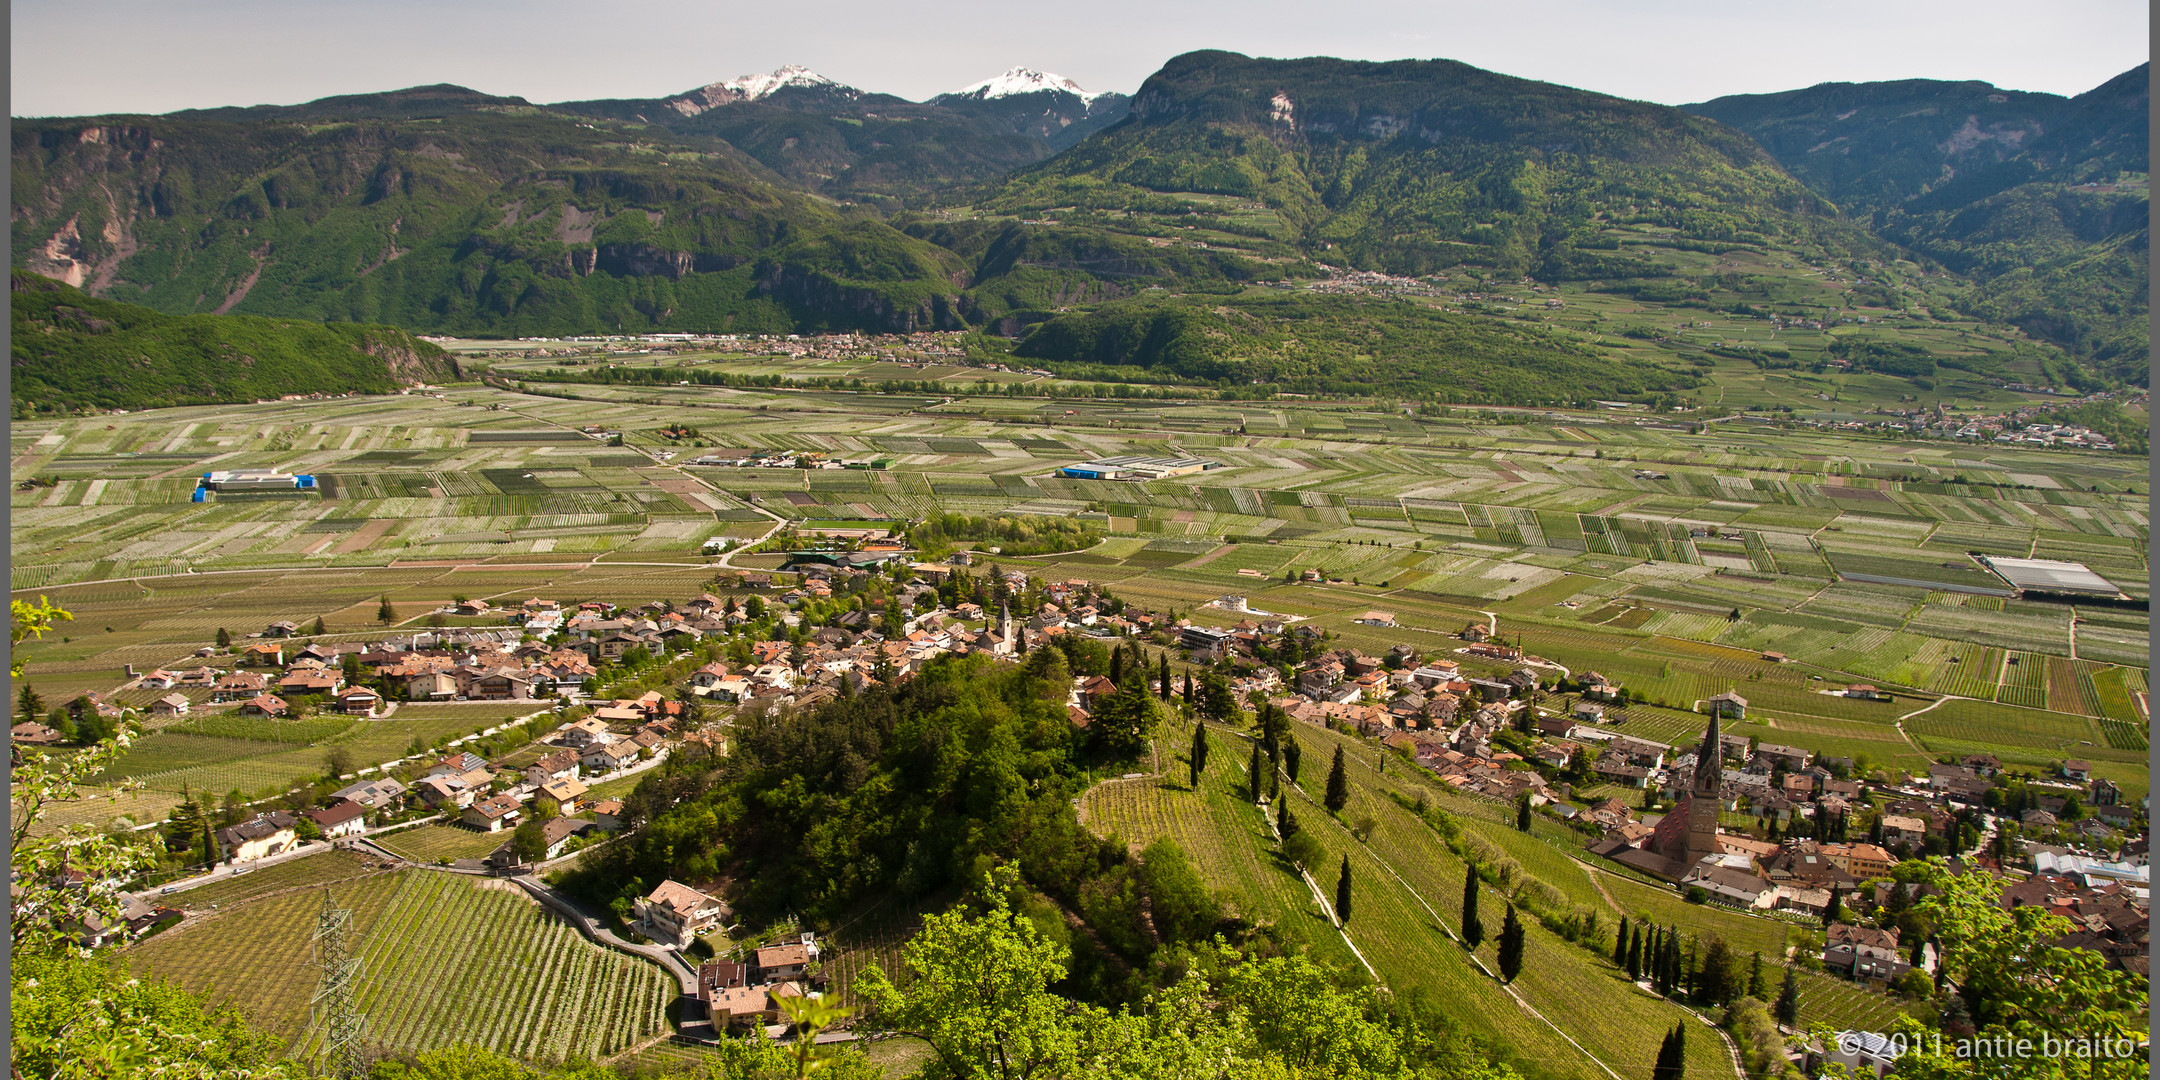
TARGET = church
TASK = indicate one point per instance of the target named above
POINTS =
(1689, 834)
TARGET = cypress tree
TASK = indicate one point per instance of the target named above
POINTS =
(1522, 813)
(1188, 688)
(1252, 777)
(1787, 1009)
(1342, 892)
(1619, 950)
(1199, 753)
(1473, 931)
(1117, 664)
(1672, 1055)
(1338, 786)
(1836, 910)
(1292, 753)
(1755, 987)
(1162, 680)
(1274, 784)
(1511, 946)
(1634, 956)
(224, 638)
(1285, 824)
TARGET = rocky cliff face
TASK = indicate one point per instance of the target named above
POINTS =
(409, 360)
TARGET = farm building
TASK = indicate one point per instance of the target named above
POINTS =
(1729, 704)
(1137, 467)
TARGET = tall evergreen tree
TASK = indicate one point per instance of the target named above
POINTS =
(1338, 785)
(1522, 812)
(1292, 754)
(1836, 908)
(1473, 931)
(1634, 956)
(1162, 679)
(1188, 688)
(1342, 892)
(1117, 664)
(1787, 1009)
(1756, 988)
(30, 706)
(1199, 752)
(384, 613)
(224, 638)
(1511, 946)
(1285, 824)
(1672, 1056)
(1252, 776)
(1620, 940)
(317, 628)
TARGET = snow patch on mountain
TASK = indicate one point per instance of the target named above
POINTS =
(1023, 80)
(749, 88)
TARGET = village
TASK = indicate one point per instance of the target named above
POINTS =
(1773, 830)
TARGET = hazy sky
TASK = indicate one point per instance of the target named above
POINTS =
(74, 57)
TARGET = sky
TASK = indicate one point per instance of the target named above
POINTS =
(78, 57)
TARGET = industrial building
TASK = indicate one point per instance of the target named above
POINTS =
(1134, 467)
(257, 480)
(2050, 576)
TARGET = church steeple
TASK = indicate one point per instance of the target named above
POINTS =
(1709, 761)
(1705, 798)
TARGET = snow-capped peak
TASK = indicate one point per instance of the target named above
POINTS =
(1023, 80)
(749, 88)
(753, 87)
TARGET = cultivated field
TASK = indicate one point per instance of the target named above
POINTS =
(445, 959)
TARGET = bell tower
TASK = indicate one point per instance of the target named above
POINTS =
(1705, 796)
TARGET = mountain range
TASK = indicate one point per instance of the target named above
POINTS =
(789, 202)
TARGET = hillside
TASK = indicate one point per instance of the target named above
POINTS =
(2043, 199)
(1342, 346)
(877, 148)
(442, 209)
(70, 350)
(1414, 166)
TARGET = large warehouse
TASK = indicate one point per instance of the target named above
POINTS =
(256, 480)
(1133, 467)
(2050, 576)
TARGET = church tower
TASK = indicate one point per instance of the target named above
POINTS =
(1705, 797)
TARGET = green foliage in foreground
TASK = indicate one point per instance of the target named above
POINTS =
(71, 350)
(1340, 346)
(78, 1018)
(2016, 987)
(979, 994)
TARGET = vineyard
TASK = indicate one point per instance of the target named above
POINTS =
(432, 843)
(1232, 845)
(445, 960)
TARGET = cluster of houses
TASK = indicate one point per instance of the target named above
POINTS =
(738, 992)
(490, 797)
